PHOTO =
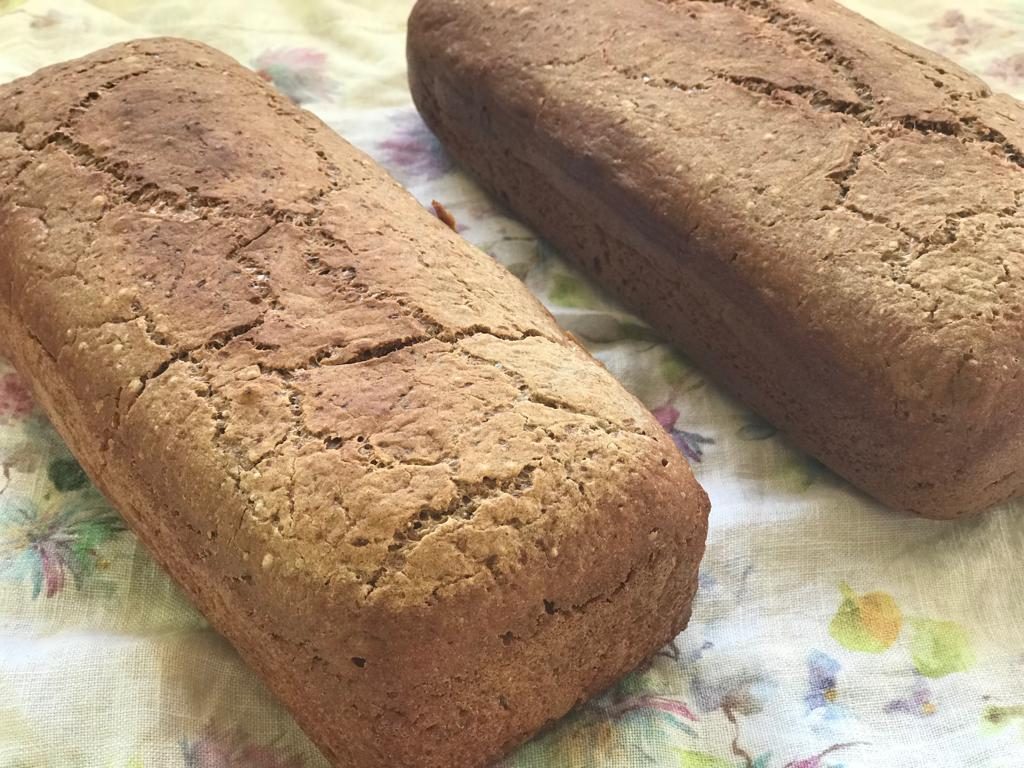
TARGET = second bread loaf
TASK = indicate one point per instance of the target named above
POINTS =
(825, 216)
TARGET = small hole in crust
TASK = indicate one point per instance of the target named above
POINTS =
(359, 661)
(360, 542)
(549, 608)
(664, 462)
(507, 638)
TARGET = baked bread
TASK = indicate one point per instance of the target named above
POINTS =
(429, 520)
(823, 215)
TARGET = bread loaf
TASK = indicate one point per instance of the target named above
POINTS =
(429, 520)
(825, 216)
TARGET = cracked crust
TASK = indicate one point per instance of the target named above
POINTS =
(427, 518)
(824, 215)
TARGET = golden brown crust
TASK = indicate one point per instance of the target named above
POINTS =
(429, 520)
(824, 215)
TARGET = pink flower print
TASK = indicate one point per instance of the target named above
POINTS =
(300, 73)
(1009, 69)
(46, 20)
(957, 33)
(664, 704)
(15, 399)
(234, 750)
(690, 444)
(650, 707)
(411, 151)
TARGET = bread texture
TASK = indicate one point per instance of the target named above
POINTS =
(823, 215)
(429, 520)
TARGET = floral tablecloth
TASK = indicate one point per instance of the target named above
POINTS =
(827, 632)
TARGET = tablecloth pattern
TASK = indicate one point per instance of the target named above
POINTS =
(827, 631)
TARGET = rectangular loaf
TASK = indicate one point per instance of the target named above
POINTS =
(429, 520)
(825, 216)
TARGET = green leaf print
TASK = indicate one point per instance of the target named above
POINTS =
(797, 472)
(998, 716)
(679, 372)
(869, 623)
(55, 541)
(690, 759)
(570, 291)
(634, 330)
(939, 648)
(633, 684)
(66, 474)
(755, 428)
